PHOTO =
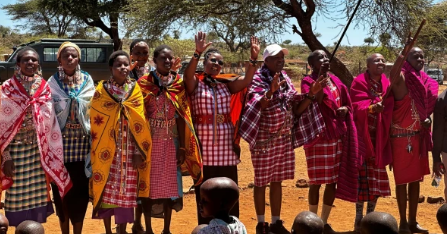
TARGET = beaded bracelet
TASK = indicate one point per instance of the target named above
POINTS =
(253, 62)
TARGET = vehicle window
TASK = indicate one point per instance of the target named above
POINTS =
(50, 54)
(432, 72)
(93, 55)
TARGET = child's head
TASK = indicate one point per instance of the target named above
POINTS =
(441, 216)
(4, 224)
(30, 227)
(198, 228)
(307, 222)
(218, 196)
(378, 223)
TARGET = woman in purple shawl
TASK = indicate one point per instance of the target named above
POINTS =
(372, 117)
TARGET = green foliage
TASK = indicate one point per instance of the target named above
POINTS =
(233, 22)
(38, 19)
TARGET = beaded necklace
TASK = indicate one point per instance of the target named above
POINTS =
(73, 79)
(376, 87)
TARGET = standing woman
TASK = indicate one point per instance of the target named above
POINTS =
(72, 90)
(212, 113)
(173, 137)
(30, 144)
(121, 141)
(139, 53)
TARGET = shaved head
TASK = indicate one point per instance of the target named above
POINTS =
(371, 58)
(30, 227)
(378, 223)
(4, 224)
(416, 58)
(307, 222)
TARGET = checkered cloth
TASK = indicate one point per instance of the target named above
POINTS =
(121, 189)
(373, 182)
(305, 128)
(163, 157)
(340, 128)
(29, 190)
(215, 152)
(323, 161)
(76, 145)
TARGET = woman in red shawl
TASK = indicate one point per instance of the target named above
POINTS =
(373, 119)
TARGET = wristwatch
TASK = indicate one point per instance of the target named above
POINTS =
(309, 97)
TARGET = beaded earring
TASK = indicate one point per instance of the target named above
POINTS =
(39, 71)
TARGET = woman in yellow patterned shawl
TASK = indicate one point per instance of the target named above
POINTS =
(121, 143)
(174, 142)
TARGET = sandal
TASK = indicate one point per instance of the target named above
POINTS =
(302, 183)
(435, 200)
(137, 229)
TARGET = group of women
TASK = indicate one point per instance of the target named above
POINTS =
(124, 144)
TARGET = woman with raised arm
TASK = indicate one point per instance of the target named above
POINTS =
(174, 141)
(214, 116)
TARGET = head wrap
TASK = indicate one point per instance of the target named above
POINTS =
(68, 44)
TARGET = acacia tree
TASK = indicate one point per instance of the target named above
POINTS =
(394, 17)
(40, 20)
(100, 14)
(434, 36)
(233, 22)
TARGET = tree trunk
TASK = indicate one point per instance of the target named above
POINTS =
(114, 34)
(337, 67)
(304, 19)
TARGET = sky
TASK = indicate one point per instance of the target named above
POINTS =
(327, 28)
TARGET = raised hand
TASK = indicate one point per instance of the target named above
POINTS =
(255, 47)
(276, 83)
(177, 64)
(200, 40)
(132, 64)
(317, 86)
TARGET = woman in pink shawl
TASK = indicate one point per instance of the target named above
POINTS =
(372, 118)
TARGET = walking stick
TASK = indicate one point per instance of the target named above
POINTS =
(400, 60)
(344, 31)
(342, 35)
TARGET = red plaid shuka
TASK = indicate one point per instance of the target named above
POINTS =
(273, 133)
(339, 128)
(323, 161)
(305, 129)
(215, 152)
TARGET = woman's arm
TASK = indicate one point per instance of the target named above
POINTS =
(250, 70)
(189, 76)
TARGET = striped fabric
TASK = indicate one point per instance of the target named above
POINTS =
(29, 189)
